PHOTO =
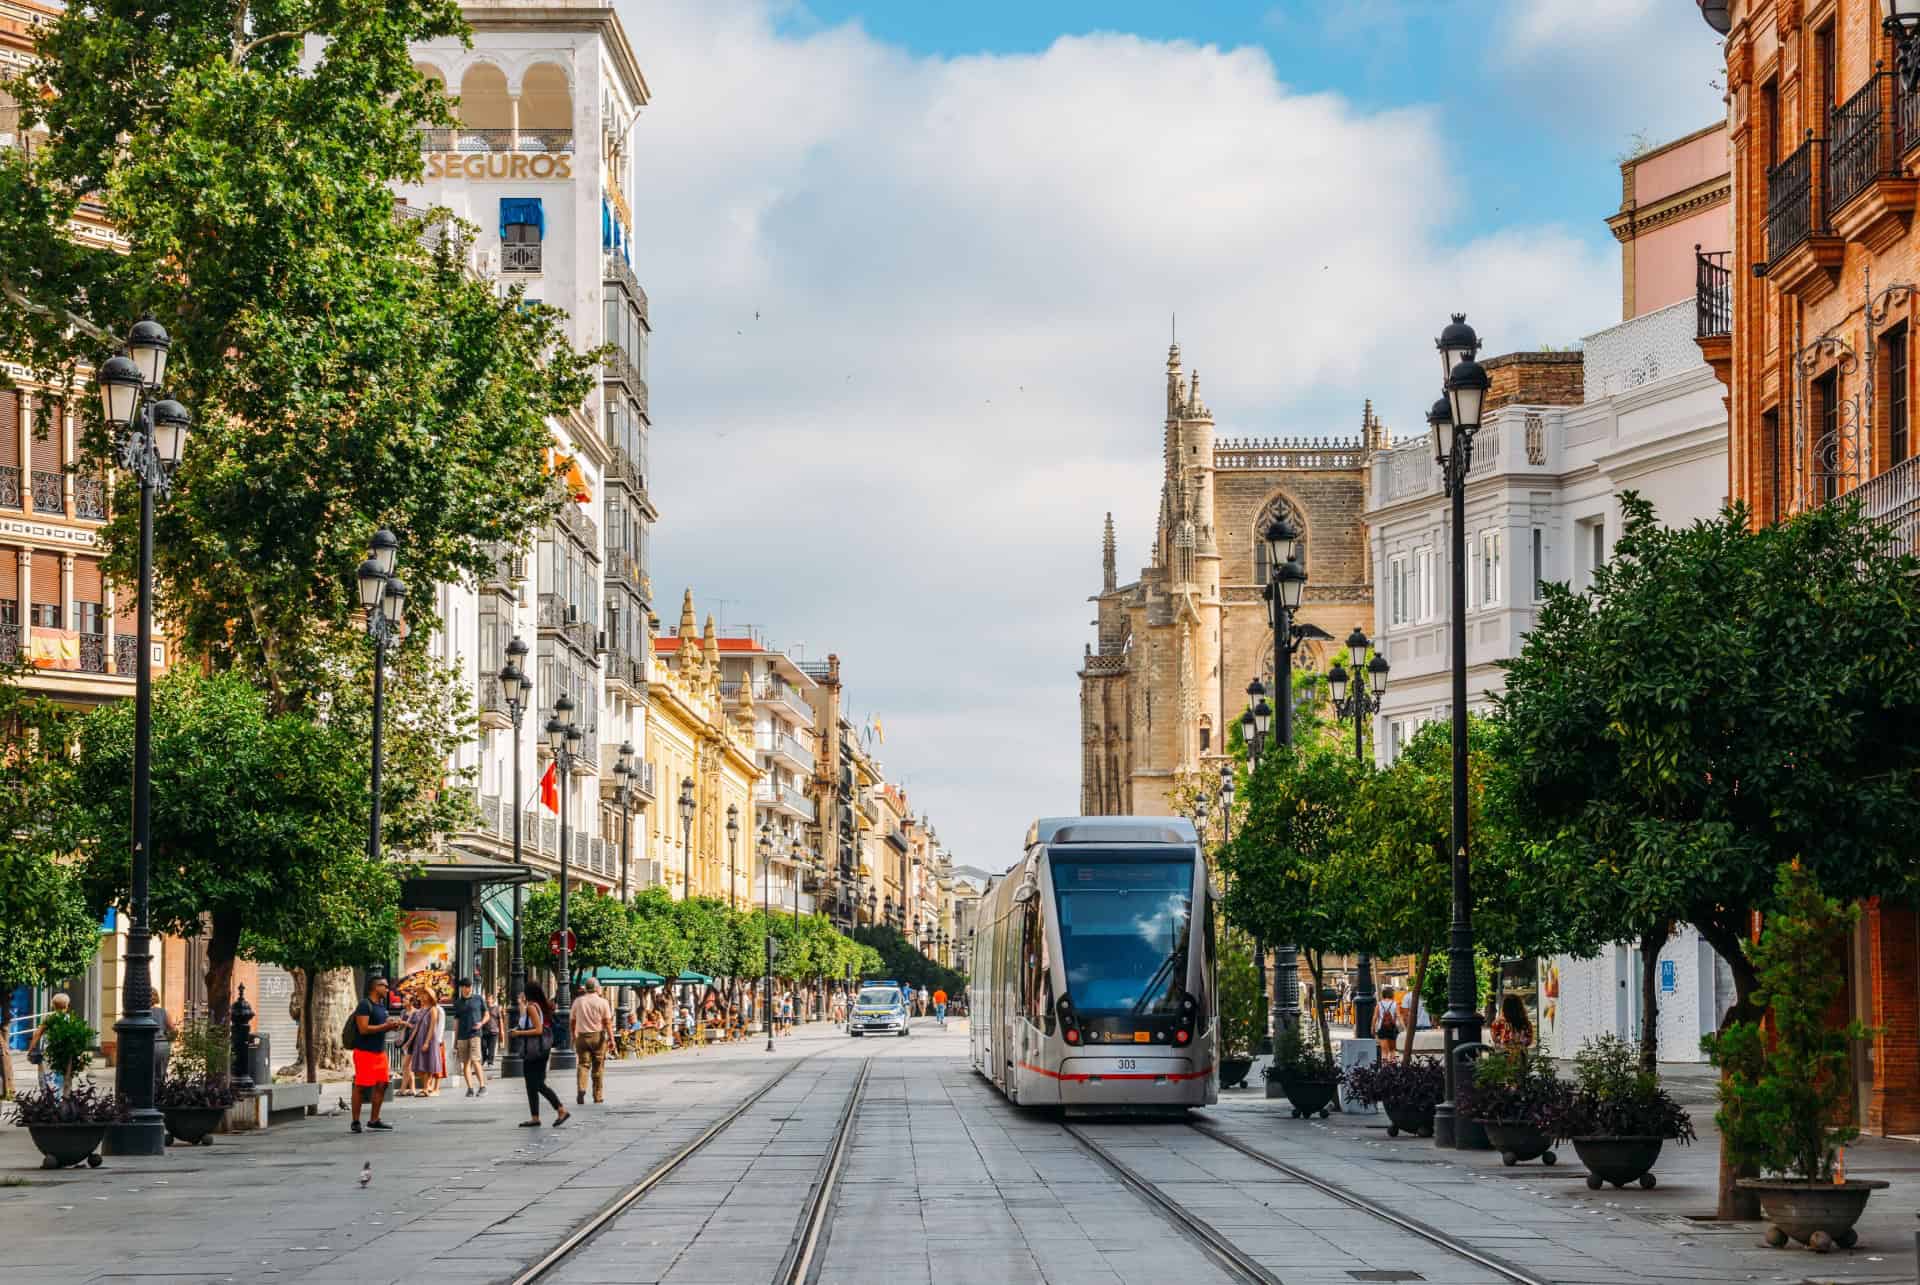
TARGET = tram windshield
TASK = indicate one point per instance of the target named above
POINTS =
(1124, 927)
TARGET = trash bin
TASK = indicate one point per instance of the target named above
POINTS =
(260, 1061)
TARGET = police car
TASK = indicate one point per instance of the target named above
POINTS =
(880, 1009)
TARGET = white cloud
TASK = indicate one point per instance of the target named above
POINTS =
(963, 270)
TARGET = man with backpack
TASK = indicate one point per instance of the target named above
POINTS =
(366, 1034)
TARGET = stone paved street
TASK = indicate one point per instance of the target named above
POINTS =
(943, 1181)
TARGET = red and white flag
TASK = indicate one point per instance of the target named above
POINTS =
(550, 789)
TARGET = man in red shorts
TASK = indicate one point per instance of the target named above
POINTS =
(370, 1052)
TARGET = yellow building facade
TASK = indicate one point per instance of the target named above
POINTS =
(696, 738)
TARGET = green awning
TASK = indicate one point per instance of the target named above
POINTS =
(627, 977)
(698, 979)
(496, 907)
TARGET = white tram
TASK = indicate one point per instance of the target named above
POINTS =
(1091, 990)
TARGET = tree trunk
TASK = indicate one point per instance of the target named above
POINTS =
(223, 943)
(1316, 967)
(1419, 983)
(1491, 1009)
(1725, 933)
(1651, 944)
(309, 1054)
(319, 1007)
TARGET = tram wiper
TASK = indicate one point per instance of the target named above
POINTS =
(1160, 974)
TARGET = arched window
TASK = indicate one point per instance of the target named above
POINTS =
(485, 110)
(1278, 506)
(546, 109)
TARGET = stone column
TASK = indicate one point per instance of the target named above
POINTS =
(68, 480)
(26, 459)
(66, 581)
(26, 598)
(113, 649)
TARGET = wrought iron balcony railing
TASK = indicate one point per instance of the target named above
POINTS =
(1862, 143)
(126, 654)
(9, 644)
(47, 497)
(520, 256)
(1893, 500)
(90, 498)
(1712, 294)
(10, 487)
(93, 653)
(462, 138)
(1795, 210)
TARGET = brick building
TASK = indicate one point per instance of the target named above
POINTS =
(1178, 646)
(1816, 352)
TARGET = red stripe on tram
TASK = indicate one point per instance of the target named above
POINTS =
(1081, 1077)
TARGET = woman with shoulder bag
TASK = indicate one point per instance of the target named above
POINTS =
(533, 1027)
(1386, 1027)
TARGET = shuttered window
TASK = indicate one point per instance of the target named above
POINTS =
(89, 610)
(9, 587)
(46, 591)
(47, 436)
(9, 428)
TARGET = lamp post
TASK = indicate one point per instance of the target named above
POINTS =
(624, 775)
(383, 595)
(1900, 20)
(517, 688)
(1226, 803)
(800, 863)
(563, 738)
(1455, 419)
(1283, 594)
(686, 838)
(149, 431)
(733, 847)
(1368, 683)
(765, 849)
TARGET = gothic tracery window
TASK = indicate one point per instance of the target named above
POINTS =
(1278, 506)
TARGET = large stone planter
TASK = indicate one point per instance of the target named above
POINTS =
(62, 1145)
(1308, 1097)
(1618, 1160)
(1233, 1071)
(191, 1125)
(1408, 1119)
(1819, 1215)
(1516, 1140)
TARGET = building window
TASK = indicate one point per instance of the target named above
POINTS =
(1490, 594)
(1897, 433)
(1826, 463)
(523, 224)
(1539, 562)
(1423, 585)
(1595, 538)
(1770, 445)
(1397, 590)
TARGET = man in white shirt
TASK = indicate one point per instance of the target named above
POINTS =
(592, 1023)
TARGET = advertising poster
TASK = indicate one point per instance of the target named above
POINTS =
(428, 950)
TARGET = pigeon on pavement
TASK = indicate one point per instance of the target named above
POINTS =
(366, 1173)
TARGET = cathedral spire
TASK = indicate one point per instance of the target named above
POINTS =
(1108, 577)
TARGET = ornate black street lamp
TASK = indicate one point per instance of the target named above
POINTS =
(733, 847)
(800, 863)
(686, 837)
(1901, 21)
(1454, 420)
(1226, 803)
(1283, 594)
(149, 431)
(765, 848)
(563, 738)
(625, 774)
(383, 595)
(1368, 681)
(517, 689)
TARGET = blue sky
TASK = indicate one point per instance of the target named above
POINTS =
(911, 266)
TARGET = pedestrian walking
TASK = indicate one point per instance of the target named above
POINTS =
(1387, 1029)
(469, 1019)
(925, 1002)
(51, 1077)
(490, 1033)
(940, 1006)
(367, 1032)
(533, 1027)
(427, 1049)
(786, 1013)
(591, 1018)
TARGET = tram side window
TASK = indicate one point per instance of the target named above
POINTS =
(1036, 976)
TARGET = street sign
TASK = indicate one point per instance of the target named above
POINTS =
(554, 943)
(1669, 977)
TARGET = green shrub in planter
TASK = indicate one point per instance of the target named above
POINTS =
(67, 1044)
(82, 1103)
(1613, 1097)
(194, 1092)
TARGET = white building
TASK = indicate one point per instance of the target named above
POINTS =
(541, 162)
(1542, 504)
(784, 743)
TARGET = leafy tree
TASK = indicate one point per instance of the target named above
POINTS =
(893, 956)
(703, 926)
(251, 812)
(1674, 741)
(46, 930)
(659, 944)
(345, 370)
(602, 930)
(345, 918)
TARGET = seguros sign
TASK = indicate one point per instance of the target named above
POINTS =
(516, 166)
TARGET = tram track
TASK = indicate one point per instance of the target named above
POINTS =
(810, 1232)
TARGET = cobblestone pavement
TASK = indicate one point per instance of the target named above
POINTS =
(943, 1180)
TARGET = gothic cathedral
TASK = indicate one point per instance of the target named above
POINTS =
(1178, 646)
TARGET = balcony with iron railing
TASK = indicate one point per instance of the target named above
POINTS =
(572, 518)
(1893, 500)
(9, 644)
(626, 470)
(625, 570)
(559, 618)
(47, 495)
(615, 269)
(10, 494)
(463, 138)
(90, 498)
(93, 653)
(520, 256)
(619, 367)
(786, 699)
(625, 668)
(1712, 294)
(783, 745)
(1803, 254)
(1862, 142)
(793, 802)
(126, 653)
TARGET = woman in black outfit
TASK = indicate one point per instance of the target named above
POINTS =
(533, 1027)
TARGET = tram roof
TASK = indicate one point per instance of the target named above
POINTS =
(1112, 830)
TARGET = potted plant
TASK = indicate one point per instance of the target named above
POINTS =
(68, 1124)
(1619, 1116)
(1407, 1091)
(194, 1105)
(1243, 1010)
(1305, 1074)
(1521, 1102)
(1784, 1100)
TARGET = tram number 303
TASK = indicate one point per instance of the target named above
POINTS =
(1126, 1064)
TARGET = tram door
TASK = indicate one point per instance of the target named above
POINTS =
(1036, 984)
